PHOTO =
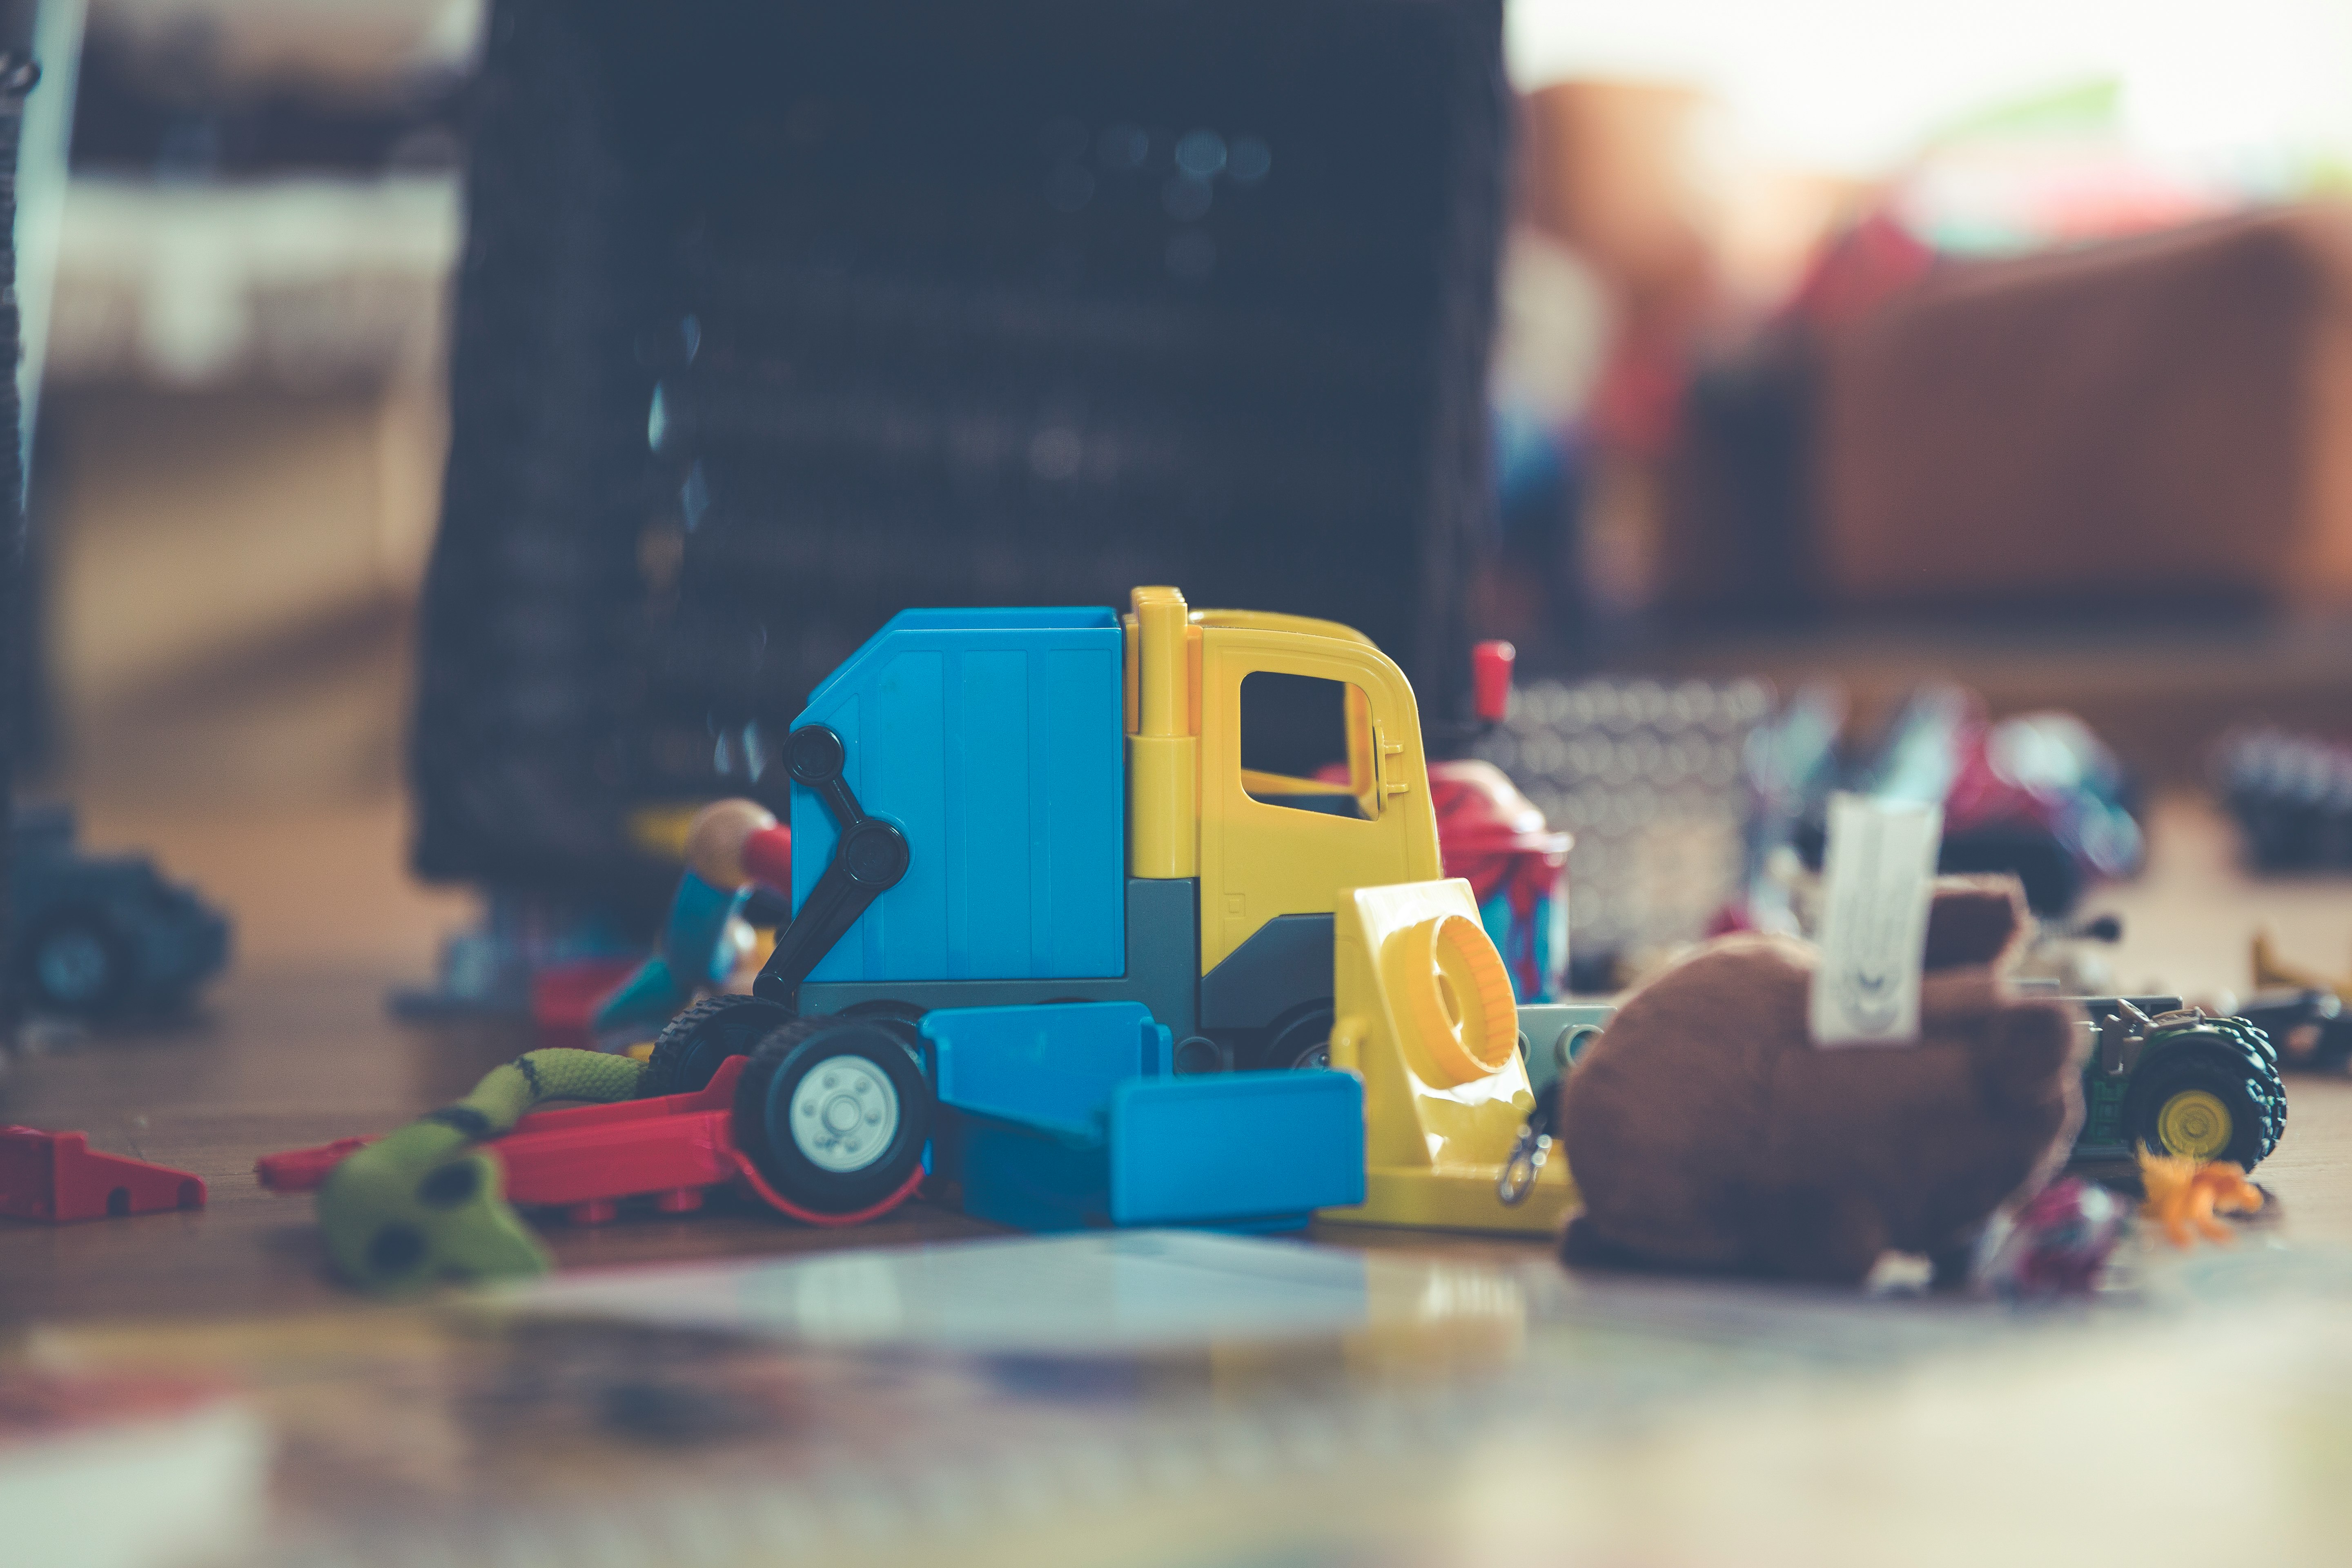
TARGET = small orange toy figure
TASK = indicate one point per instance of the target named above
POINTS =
(2183, 1194)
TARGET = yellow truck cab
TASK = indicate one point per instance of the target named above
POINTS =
(1227, 875)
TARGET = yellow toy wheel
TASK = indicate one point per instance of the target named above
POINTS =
(2194, 1122)
(1452, 999)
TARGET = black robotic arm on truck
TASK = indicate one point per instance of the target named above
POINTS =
(868, 861)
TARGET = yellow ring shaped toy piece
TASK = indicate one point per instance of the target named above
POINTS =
(1452, 998)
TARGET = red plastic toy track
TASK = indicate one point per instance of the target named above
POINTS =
(585, 1160)
(56, 1177)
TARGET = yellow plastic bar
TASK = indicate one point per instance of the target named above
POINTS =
(1261, 785)
(1269, 621)
(1363, 753)
(1164, 765)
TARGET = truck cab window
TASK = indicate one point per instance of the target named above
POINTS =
(1305, 744)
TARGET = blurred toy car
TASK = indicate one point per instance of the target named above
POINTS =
(2174, 1081)
(2308, 1026)
(2291, 796)
(2038, 795)
(92, 935)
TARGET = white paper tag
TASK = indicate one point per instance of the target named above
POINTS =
(1877, 877)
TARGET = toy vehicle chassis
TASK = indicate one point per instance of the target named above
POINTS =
(2177, 1080)
(675, 1149)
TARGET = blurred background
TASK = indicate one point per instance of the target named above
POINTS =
(1866, 342)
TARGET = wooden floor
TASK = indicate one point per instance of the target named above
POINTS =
(401, 1431)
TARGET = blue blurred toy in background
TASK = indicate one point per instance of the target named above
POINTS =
(733, 849)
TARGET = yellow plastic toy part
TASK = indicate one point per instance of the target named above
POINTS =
(1164, 747)
(1259, 859)
(1424, 1013)
(1194, 811)
(662, 829)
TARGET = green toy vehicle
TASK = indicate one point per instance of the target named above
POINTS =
(2174, 1080)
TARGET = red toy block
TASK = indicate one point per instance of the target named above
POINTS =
(56, 1177)
(301, 1170)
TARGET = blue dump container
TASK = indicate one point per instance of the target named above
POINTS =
(994, 740)
(1053, 1064)
(1057, 1118)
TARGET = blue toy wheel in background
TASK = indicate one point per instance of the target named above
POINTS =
(76, 962)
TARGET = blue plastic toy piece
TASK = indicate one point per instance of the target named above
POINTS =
(1054, 1065)
(694, 953)
(994, 740)
(1057, 1118)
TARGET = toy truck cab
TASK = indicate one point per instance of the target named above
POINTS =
(1269, 852)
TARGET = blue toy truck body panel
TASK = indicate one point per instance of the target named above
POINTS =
(1057, 1118)
(995, 739)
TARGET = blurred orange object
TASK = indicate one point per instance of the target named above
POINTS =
(2184, 1195)
(1619, 171)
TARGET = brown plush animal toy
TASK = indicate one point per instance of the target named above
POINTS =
(1706, 1130)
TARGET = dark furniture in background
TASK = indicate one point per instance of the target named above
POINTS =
(773, 320)
(18, 75)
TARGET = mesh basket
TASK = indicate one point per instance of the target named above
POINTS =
(774, 319)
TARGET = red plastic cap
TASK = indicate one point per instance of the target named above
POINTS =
(768, 857)
(1490, 679)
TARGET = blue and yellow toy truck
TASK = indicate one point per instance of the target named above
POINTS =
(1020, 806)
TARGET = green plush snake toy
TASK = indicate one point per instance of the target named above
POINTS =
(424, 1204)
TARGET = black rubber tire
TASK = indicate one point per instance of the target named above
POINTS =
(1302, 1040)
(690, 1048)
(898, 1012)
(2255, 1121)
(784, 1060)
(1196, 1055)
(905, 1012)
(76, 963)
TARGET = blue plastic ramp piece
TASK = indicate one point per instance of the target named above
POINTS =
(1057, 1117)
(994, 740)
(1053, 1066)
(1224, 1147)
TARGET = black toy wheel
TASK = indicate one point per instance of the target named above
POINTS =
(78, 963)
(690, 1048)
(1197, 1054)
(2205, 1108)
(1304, 1040)
(835, 1111)
(905, 1012)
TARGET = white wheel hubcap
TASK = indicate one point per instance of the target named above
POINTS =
(844, 1114)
